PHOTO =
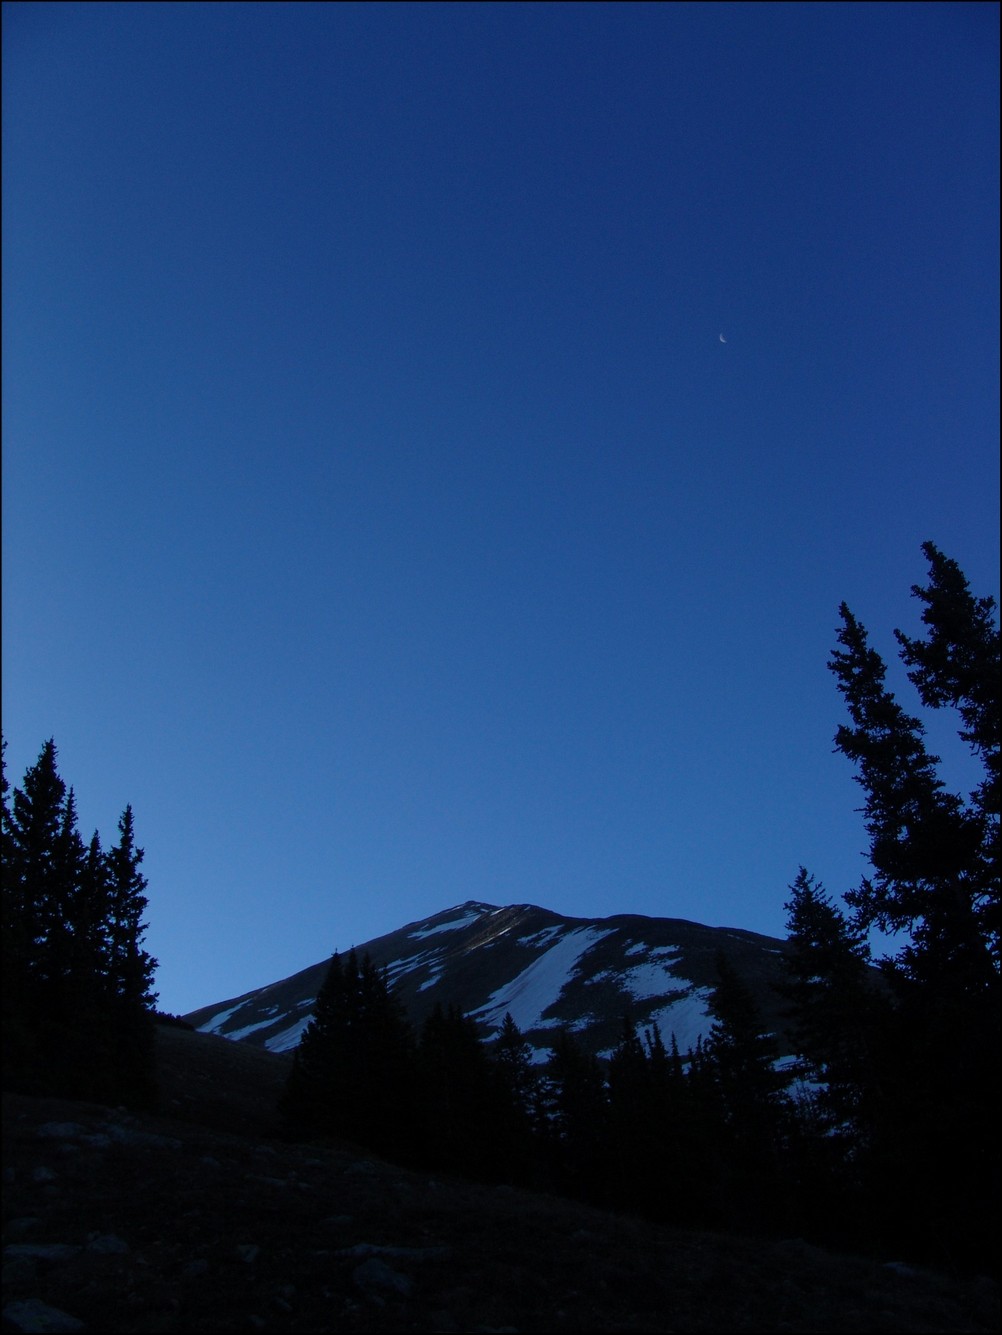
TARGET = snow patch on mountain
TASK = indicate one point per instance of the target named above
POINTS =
(237, 1034)
(470, 913)
(215, 1022)
(541, 937)
(647, 980)
(688, 1018)
(287, 1039)
(397, 968)
(529, 996)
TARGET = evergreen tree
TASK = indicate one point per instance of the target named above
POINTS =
(754, 1109)
(957, 664)
(520, 1122)
(459, 1116)
(577, 1119)
(352, 1073)
(689, 1115)
(92, 920)
(935, 882)
(627, 1076)
(36, 897)
(512, 1057)
(838, 1016)
(61, 968)
(77, 1017)
(311, 1099)
(130, 967)
(703, 1180)
(640, 1131)
(929, 848)
(835, 1007)
(35, 893)
(5, 829)
(386, 1083)
(743, 1055)
(16, 941)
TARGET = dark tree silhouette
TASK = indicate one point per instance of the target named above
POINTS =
(933, 1164)
(34, 893)
(352, 1073)
(754, 1107)
(512, 1058)
(130, 967)
(835, 1007)
(647, 1131)
(577, 1119)
(838, 1012)
(518, 1101)
(77, 986)
(457, 1098)
(934, 853)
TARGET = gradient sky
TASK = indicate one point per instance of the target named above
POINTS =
(384, 517)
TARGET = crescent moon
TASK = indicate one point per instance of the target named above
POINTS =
(722, 339)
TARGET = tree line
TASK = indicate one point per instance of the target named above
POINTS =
(77, 982)
(688, 1139)
(882, 1135)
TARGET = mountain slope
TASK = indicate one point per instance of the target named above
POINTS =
(549, 971)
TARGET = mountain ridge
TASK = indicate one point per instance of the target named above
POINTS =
(548, 970)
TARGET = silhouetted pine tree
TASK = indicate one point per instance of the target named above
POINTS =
(68, 1027)
(512, 1057)
(679, 1166)
(628, 1096)
(743, 1056)
(60, 928)
(317, 1084)
(754, 1108)
(689, 1115)
(38, 886)
(18, 941)
(130, 967)
(92, 989)
(5, 832)
(577, 1120)
(645, 1124)
(352, 1073)
(835, 1007)
(518, 1100)
(459, 1116)
(957, 664)
(675, 1134)
(935, 860)
(838, 1014)
(32, 891)
(92, 919)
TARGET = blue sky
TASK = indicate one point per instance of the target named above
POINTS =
(384, 517)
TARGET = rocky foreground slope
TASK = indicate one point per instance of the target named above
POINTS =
(197, 1218)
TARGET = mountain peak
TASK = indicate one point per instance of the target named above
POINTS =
(550, 972)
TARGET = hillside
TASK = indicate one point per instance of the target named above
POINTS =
(196, 1217)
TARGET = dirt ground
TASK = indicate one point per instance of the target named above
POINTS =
(197, 1217)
